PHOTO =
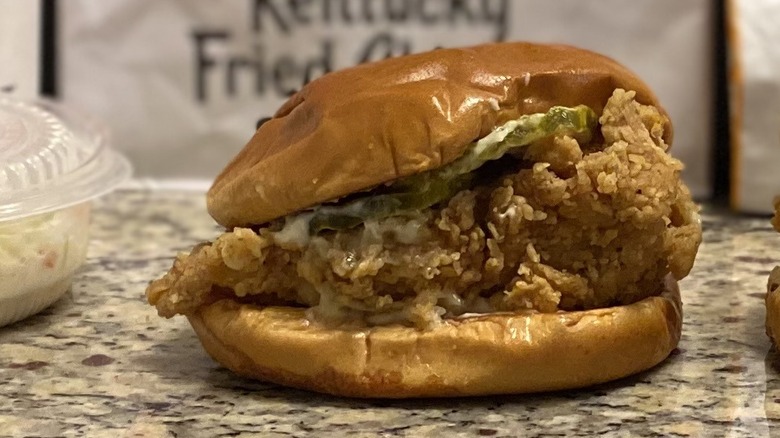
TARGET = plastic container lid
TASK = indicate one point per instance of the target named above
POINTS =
(52, 158)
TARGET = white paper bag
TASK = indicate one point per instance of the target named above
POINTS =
(754, 88)
(183, 82)
(20, 48)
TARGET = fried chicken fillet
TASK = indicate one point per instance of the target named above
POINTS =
(568, 226)
(772, 300)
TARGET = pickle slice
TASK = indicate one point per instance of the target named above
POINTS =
(416, 192)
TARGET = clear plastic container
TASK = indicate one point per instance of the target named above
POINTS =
(53, 162)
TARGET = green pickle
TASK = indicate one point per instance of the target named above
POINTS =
(416, 192)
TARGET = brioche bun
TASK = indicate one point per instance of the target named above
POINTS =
(376, 122)
(487, 354)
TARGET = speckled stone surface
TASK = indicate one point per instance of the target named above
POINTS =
(101, 363)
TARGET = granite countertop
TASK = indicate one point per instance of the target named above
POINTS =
(101, 363)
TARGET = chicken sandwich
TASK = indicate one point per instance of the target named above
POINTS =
(503, 218)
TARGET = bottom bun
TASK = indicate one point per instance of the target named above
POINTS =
(501, 353)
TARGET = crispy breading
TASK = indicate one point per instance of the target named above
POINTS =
(577, 228)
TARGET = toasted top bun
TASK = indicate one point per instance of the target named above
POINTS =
(500, 353)
(357, 128)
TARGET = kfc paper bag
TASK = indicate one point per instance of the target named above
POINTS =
(19, 48)
(182, 83)
(754, 88)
